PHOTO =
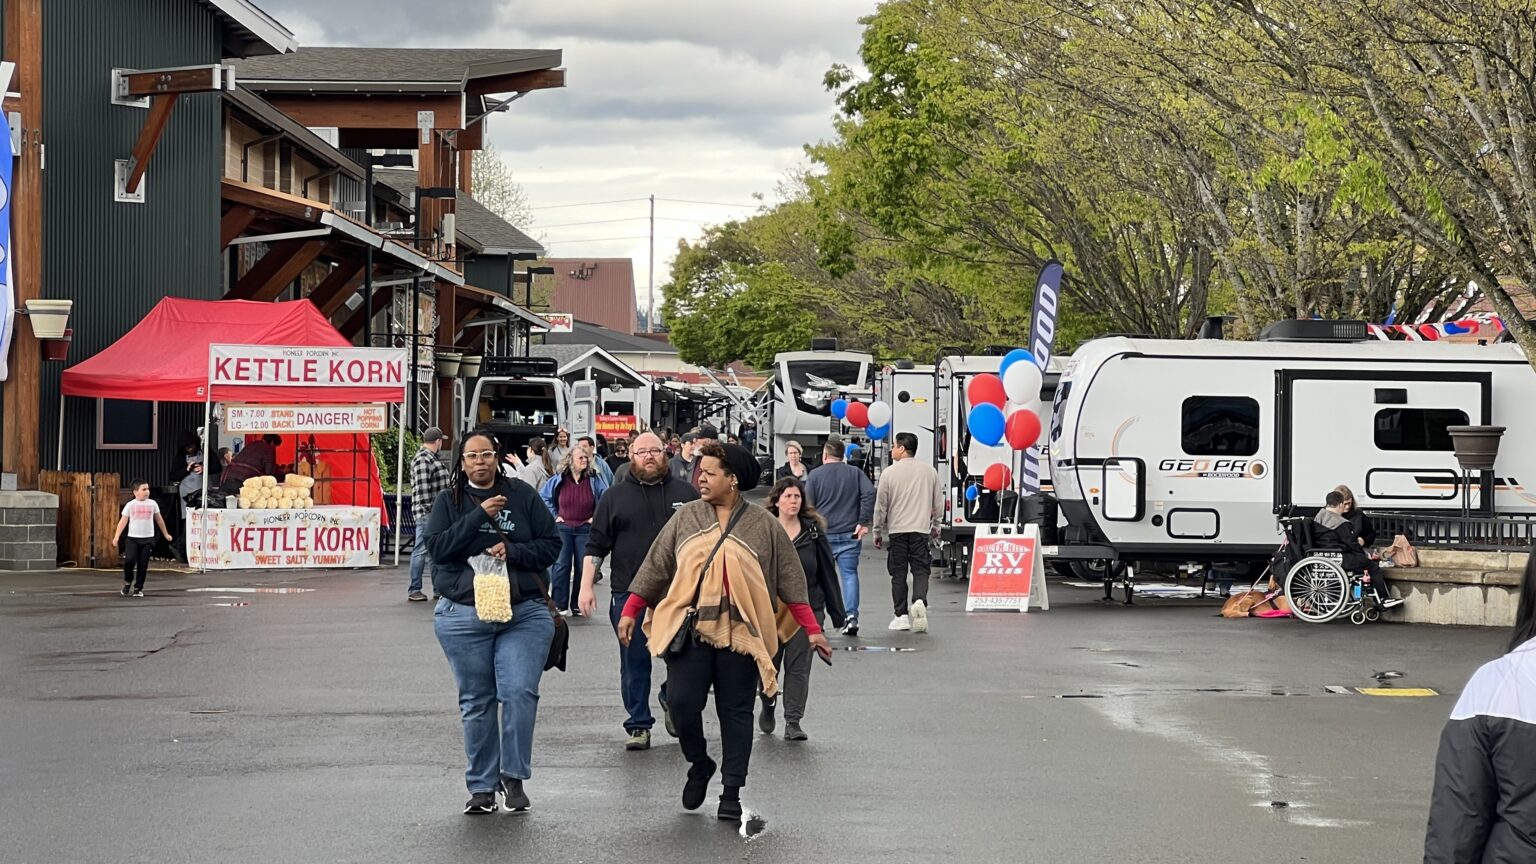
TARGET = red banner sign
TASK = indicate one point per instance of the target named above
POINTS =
(616, 425)
(1004, 564)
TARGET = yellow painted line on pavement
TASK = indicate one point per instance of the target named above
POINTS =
(1395, 691)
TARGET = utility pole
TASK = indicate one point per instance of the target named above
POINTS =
(650, 303)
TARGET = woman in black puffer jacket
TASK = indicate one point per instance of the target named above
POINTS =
(805, 527)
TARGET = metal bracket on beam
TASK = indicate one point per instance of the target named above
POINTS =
(122, 169)
(120, 94)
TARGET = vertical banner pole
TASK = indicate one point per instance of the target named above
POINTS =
(207, 437)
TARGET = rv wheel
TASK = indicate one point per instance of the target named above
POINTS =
(1096, 571)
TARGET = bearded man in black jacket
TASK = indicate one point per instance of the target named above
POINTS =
(628, 518)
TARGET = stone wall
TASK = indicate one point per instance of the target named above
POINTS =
(28, 526)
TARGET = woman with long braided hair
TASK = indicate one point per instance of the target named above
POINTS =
(496, 665)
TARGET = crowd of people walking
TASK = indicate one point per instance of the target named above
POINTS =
(732, 596)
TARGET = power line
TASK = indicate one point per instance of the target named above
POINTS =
(625, 219)
(709, 203)
(587, 204)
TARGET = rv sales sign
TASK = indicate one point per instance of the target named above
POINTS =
(276, 366)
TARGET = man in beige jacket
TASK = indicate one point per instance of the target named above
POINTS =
(907, 508)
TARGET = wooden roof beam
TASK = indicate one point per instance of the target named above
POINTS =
(281, 265)
(163, 86)
(517, 82)
(331, 294)
(235, 222)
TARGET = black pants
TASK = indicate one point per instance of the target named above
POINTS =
(907, 552)
(734, 677)
(1379, 585)
(136, 553)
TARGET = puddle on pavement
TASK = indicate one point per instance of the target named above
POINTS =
(873, 648)
(209, 711)
(253, 590)
(752, 825)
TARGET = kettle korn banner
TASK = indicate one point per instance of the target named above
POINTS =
(265, 539)
(246, 365)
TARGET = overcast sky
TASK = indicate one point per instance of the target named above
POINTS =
(691, 100)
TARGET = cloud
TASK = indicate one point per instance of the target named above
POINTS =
(695, 100)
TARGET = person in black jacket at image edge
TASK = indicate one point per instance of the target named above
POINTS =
(628, 518)
(494, 664)
(786, 501)
(1483, 808)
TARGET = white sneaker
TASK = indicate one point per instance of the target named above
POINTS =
(900, 622)
(919, 617)
(1391, 603)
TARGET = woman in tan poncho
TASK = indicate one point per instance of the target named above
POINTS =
(749, 593)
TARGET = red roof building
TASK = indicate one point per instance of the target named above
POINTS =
(598, 291)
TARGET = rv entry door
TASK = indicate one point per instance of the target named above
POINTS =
(1124, 490)
(1381, 433)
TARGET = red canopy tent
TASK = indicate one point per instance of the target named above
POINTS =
(164, 358)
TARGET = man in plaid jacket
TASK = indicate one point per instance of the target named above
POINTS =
(429, 478)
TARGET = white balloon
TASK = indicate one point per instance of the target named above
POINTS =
(1022, 383)
(879, 414)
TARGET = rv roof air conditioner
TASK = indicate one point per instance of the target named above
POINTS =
(905, 364)
(1315, 330)
(1215, 327)
(823, 343)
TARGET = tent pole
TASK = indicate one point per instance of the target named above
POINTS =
(202, 517)
(400, 474)
(59, 464)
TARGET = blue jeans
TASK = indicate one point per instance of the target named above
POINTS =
(419, 562)
(496, 664)
(634, 670)
(573, 551)
(845, 550)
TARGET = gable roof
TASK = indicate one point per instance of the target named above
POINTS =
(414, 70)
(571, 358)
(248, 31)
(612, 341)
(596, 290)
(487, 232)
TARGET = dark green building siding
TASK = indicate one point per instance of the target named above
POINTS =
(117, 260)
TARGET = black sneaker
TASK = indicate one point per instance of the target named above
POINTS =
(730, 810)
(851, 628)
(697, 786)
(127, 589)
(481, 804)
(793, 732)
(766, 720)
(138, 592)
(666, 714)
(513, 796)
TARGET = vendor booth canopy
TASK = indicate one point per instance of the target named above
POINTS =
(165, 357)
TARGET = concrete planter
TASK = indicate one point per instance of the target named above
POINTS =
(448, 363)
(469, 367)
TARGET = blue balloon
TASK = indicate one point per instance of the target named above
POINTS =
(1013, 357)
(972, 492)
(878, 433)
(987, 424)
(839, 408)
(849, 452)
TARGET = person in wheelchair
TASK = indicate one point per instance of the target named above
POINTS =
(1335, 533)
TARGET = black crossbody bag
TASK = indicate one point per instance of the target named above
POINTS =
(684, 638)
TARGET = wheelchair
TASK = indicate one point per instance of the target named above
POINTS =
(1316, 585)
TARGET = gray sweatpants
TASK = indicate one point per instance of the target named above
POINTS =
(795, 673)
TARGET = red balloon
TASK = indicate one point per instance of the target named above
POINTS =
(858, 414)
(1023, 429)
(987, 389)
(997, 478)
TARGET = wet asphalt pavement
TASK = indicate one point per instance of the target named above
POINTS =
(321, 725)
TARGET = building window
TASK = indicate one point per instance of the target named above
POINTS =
(1417, 428)
(127, 424)
(1221, 426)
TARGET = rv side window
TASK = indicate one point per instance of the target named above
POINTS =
(1417, 428)
(1221, 426)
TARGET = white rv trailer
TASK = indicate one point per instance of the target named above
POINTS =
(908, 390)
(961, 460)
(1185, 451)
(804, 387)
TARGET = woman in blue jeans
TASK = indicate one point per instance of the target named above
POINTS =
(572, 496)
(496, 665)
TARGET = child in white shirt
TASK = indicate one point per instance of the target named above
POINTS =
(140, 518)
